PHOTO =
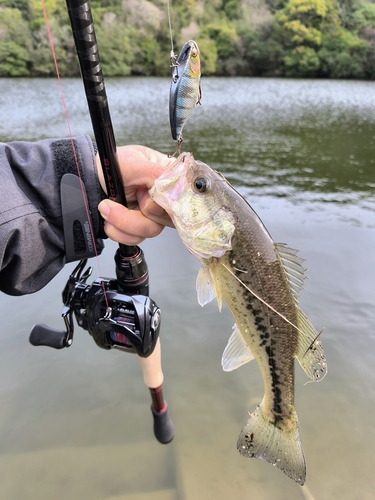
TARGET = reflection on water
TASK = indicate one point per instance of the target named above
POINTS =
(76, 424)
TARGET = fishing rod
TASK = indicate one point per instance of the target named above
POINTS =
(118, 313)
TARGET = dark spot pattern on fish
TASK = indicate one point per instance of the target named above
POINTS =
(275, 385)
(272, 337)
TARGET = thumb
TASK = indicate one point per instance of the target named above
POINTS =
(152, 210)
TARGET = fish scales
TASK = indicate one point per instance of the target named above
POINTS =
(259, 281)
(269, 337)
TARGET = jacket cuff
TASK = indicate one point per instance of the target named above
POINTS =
(65, 161)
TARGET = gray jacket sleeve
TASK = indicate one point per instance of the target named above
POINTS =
(31, 230)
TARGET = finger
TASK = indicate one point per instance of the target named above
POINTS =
(152, 210)
(120, 237)
(151, 154)
(139, 166)
(143, 165)
(127, 222)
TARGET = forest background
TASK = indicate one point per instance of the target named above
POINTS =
(294, 38)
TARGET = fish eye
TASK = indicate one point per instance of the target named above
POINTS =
(201, 184)
(194, 52)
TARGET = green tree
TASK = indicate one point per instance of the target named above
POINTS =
(225, 38)
(116, 53)
(327, 38)
(56, 10)
(262, 49)
(15, 43)
(299, 25)
(21, 5)
(232, 9)
(14, 59)
(208, 55)
(149, 59)
(343, 55)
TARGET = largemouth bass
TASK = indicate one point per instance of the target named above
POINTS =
(259, 281)
(185, 91)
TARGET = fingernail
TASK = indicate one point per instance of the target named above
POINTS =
(156, 209)
(104, 209)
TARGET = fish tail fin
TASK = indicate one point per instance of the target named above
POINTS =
(275, 442)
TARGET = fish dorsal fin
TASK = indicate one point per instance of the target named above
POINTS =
(207, 284)
(310, 354)
(236, 353)
(293, 267)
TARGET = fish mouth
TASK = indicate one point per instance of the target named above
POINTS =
(173, 181)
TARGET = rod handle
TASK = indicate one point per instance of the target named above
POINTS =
(163, 425)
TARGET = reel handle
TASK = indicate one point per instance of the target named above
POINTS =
(42, 334)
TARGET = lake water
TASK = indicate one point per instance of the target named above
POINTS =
(76, 424)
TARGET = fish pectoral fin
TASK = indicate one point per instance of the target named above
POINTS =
(310, 353)
(204, 286)
(236, 353)
(207, 284)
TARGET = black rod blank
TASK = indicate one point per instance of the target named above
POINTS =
(93, 80)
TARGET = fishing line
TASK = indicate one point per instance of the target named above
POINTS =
(313, 342)
(172, 56)
(170, 24)
(262, 300)
(50, 39)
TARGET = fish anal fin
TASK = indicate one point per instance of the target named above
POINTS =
(310, 353)
(275, 443)
(236, 353)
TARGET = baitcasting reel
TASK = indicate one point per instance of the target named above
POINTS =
(130, 323)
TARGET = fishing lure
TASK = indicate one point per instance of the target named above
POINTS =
(185, 90)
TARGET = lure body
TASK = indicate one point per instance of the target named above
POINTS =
(185, 91)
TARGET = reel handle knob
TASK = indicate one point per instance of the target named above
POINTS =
(44, 335)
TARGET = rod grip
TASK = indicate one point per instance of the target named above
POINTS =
(163, 425)
(153, 378)
(151, 367)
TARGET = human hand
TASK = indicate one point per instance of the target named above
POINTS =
(139, 166)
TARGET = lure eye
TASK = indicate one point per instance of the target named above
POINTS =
(201, 184)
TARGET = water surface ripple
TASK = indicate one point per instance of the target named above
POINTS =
(76, 424)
